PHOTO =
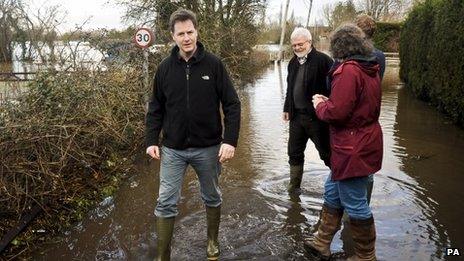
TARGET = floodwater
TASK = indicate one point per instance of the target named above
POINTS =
(417, 198)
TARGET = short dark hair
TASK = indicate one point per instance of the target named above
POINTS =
(367, 24)
(182, 15)
(348, 40)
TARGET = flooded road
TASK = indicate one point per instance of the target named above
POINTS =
(416, 199)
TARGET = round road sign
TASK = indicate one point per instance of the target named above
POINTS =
(144, 38)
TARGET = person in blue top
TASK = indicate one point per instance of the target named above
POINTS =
(368, 25)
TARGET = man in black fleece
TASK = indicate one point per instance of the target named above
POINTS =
(189, 88)
(307, 75)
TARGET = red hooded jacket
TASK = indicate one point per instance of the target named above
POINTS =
(353, 111)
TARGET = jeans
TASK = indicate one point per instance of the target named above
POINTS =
(370, 178)
(349, 194)
(174, 164)
(302, 128)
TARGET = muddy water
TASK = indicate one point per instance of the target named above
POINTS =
(416, 200)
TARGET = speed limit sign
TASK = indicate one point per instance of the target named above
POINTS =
(144, 38)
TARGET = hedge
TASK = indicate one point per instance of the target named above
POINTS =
(386, 36)
(65, 144)
(432, 57)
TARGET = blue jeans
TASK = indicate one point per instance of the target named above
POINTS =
(370, 178)
(348, 194)
(174, 164)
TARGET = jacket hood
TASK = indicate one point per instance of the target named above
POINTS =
(367, 64)
(200, 52)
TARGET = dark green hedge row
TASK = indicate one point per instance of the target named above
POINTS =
(432, 55)
(387, 36)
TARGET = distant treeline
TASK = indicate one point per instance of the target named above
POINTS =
(432, 56)
(114, 34)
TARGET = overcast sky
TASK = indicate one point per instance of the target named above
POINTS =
(300, 8)
(105, 14)
(102, 13)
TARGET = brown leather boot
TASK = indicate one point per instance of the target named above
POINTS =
(213, 218)
(363, 231)
(319, 244)
(296, 175)
(164, 227)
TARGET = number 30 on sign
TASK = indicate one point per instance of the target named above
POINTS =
(144, 38)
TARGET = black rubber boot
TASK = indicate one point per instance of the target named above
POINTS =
(296, 175)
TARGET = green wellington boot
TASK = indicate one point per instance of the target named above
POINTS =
(164, 228)
(319, 244)
(296, 175)
(213, 218)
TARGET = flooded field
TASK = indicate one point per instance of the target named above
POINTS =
(416, 200)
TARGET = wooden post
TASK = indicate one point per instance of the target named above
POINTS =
(309, 13)
(23, 222)
(282, 34)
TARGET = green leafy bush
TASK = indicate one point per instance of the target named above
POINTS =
(432, 56)
(387, 36)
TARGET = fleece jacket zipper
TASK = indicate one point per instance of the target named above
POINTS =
(187, 72)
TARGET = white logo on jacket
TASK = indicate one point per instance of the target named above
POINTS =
(205, 77)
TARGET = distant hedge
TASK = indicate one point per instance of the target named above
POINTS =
(387, 36)
(432, 55)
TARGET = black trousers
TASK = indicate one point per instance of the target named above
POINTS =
(302, 128)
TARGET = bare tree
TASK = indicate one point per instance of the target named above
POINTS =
(228, 27)
(10, 16)
(385, 10)
(42, 31)
(327, 10)
(34, 32)
(337, 14)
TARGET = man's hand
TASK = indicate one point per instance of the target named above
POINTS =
(226, 152)
(318, 98)
(285, 116)
(154, 152)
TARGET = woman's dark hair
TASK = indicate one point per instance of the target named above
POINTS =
(182, 15)
(349, 40)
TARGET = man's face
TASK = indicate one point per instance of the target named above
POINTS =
(185, 35)
(301, 45)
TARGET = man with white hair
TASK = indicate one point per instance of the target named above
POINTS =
(307, 75)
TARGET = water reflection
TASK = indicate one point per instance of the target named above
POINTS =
(432, 156)
(282, 87)
(63, 55)
(415, 197)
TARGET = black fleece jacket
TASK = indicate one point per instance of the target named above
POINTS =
(316, 71)
(186, 101)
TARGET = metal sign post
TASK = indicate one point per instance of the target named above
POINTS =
(145, 68)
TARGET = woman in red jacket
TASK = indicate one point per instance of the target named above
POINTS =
(352, 112)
